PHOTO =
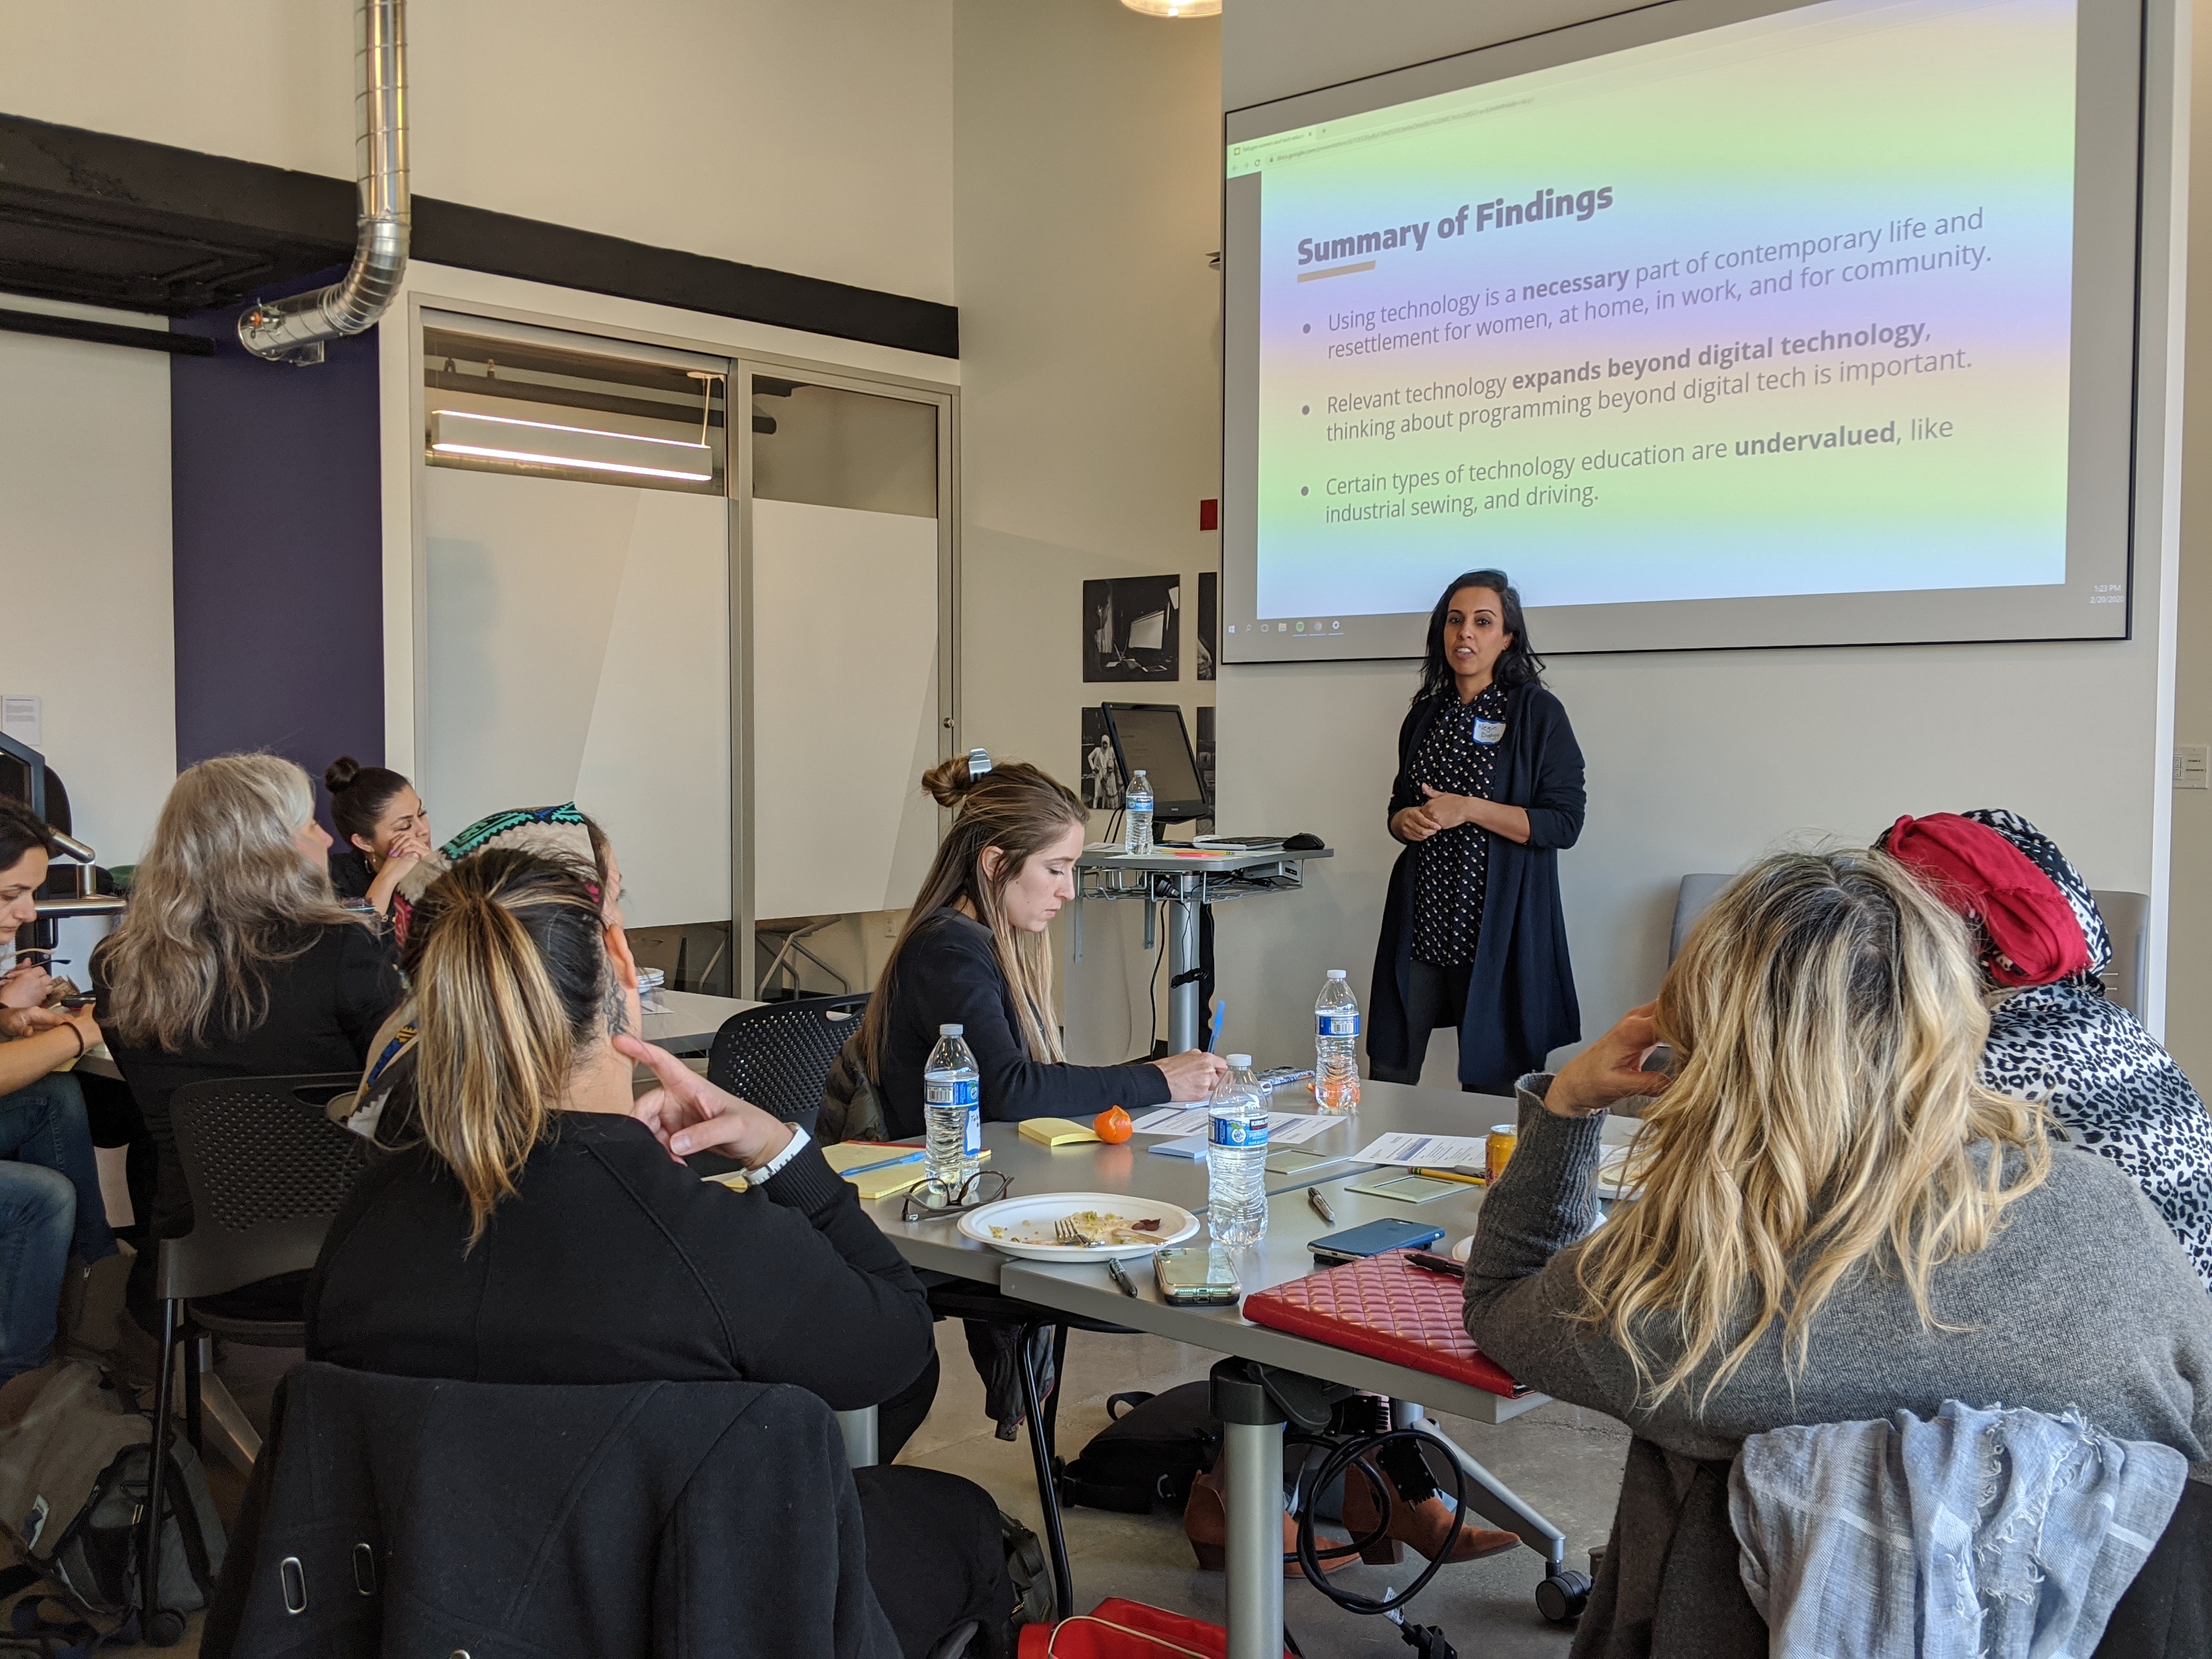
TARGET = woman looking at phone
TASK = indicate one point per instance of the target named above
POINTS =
(386, 857)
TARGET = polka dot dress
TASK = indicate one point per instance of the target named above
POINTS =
(1450, 867)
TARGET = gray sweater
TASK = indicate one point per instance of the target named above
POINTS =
(2083, 1298)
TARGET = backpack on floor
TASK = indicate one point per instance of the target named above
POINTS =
(72, 1482)
(1156, 1445)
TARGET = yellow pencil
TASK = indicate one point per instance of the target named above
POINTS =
(1459, 1176)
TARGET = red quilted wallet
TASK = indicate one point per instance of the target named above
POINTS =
(1388, 1309)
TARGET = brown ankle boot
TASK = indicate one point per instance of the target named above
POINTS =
(1423, 1525)
(1206, 1523)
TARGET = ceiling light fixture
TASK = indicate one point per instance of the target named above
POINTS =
(1176, 7)
(540, 443)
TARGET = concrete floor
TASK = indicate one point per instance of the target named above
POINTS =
(1564, 1460)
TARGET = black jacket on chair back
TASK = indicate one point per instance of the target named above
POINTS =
(628, 1520)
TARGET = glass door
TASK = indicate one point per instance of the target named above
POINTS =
(845, 694)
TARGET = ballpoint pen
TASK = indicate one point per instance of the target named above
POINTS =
(1220, 1014)
(1321, 1206)
(885, 1163)
(1121, 1278)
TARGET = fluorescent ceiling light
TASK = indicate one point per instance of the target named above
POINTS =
(541, 443)
(1176, 7)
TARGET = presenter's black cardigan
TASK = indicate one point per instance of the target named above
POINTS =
(1521, 993)
(948, 975)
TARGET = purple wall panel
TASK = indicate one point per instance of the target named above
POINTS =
(276, 499)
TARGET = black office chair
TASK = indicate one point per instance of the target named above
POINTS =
(965, 1300)
(267, 1170)
(778, 1056)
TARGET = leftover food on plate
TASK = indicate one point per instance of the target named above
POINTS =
(1099, 1226)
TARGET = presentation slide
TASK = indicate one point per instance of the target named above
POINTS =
(1783, 307)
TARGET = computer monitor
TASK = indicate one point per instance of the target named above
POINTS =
(1150, 738)
(24, 774)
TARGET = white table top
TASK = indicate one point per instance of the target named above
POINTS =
(692, 1019)
(1169, 859)
(1281, 1256)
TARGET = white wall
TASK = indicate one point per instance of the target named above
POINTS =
(2189, 972)
(1086, 205)
(84, 567)
(811, 136)
(1700, 761)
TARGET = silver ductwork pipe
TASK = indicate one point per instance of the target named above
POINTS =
(294, 331)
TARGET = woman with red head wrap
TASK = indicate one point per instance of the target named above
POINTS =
(2052, 1035)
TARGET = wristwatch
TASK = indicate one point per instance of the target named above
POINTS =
(746, 1179)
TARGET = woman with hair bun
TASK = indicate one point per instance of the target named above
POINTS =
(387, 859)
(973, 953)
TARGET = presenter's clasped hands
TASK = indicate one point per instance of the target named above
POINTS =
(1443, 812)
(1610, 1070)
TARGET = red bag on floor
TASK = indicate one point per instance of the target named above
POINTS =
(1116, 1629)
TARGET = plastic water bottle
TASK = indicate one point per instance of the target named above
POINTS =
(1236, 1158)
(1336, 1040)
(1137, 816)
(951, 1111)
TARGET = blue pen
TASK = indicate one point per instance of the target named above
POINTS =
(1220, 1014)
(885, 1163)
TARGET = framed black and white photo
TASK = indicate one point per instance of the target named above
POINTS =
(1100, 771)
(1133, 629)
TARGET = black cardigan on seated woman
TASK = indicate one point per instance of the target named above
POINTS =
(614, 1263)
(949, 974)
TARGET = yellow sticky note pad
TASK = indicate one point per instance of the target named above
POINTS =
(1056, 1132)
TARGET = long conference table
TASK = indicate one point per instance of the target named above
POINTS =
(1253, 1453)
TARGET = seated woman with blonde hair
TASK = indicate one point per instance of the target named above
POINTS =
(1837, 1222)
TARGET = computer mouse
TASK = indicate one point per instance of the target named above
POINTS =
(1304, 842)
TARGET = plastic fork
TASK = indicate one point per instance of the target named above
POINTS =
(1068, 1232)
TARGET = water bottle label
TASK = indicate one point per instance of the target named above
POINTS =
(971, 1141)
(1240, 1131)
(954, 1092)
(1341, 1023)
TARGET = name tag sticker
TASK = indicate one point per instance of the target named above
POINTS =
(1487, 733)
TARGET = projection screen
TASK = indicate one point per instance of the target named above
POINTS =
(1714, 324)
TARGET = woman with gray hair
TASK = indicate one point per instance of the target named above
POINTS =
(234, 958)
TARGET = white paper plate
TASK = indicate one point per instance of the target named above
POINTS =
(1608, 1174)
(1176, 1224)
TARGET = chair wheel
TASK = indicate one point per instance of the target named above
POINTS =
(1562, 1595)
(165, 1629)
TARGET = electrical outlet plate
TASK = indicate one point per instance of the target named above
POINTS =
(2192, 766)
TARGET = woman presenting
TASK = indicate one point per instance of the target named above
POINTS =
(1489, 789)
